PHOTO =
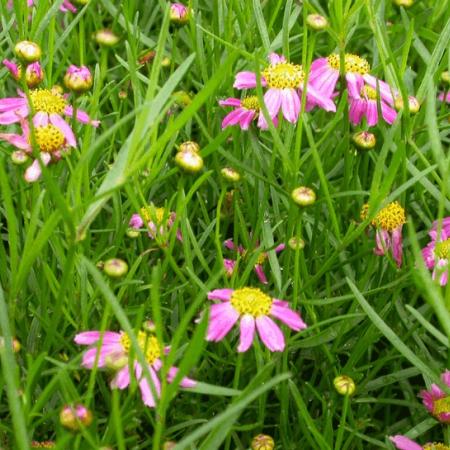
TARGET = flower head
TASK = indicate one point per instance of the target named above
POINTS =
(437, 401)
(244, 112)
(252, 308)
(33, 72)
(116, 353)
(78, 79)
(437, 253)
(388, 222)
(179, 13)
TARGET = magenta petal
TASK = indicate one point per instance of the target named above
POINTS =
(274, 58)
(290, 104)
(270, 334)
(136, 221)
(185, 381)
(232, 118)
(247, 327)
(229, 244)
(397, 248)
(33, 172)
(146, 391)
(40, 119)
(372, 113)
(58, 121)
(273, 99)
(229, 266)
(245, 80)
(17, 140)
(383, 242)
(225, 316)
(389, 114)
(356, 111)
(220, 294)
(404, 443)
(82, 116)
(354, 84)
(246, 119)
(260, 273)
(91, 337)
(230, 102)
(280, 248)
(121, 379)
(318, 98)
(289, 317)
(386, 92)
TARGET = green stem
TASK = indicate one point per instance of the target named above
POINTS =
(340, 433)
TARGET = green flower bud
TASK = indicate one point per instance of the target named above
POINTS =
(344, 385)
(262, 442)
(115, 267)
(303, 196)
(364, 140)
(316, 22)
(230, 174)
(28, 51)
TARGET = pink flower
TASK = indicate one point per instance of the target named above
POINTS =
(66, 5)
(179, 13)
(246, 110)
(116, 353)
(404, 443)
(52, 143)
(437, 253)
(444, 97)
(437, 401)
(49, 106)
(363, 102)
(285, 82)
(157, 220)
(229, 264)
(388, 223)
(78, 79)
(252, 308)
(33, 73)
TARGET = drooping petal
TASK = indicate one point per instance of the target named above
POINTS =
(247, 328)
(270, 334)
(220, 324)
(319, 99)
(185, 382)
(146, 391)
(245, 80)
(121, 379)
(246, 119)
(389, 114)
(58, 121)
(33, 171)
(356, 111)
(289, 317)
(354, 84)
(371, 112)
(397, 247)
(91, 337)
(260, 273)
(230, 102)
(387, 93)
(220, 294)
(383, 242)
(273, 99)
(404, 443)
(17, 140)
(82, 116)
(290, 104)
(232, 118)
(40, 119)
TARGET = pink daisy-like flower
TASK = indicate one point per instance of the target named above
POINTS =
(246, 110)
(158, 221)
(388, 223)
(285, 82)
(363, 102)
(252, 308)
(50, 139)
(437, 401)
(437, 253)
(115, 353)
(229, 264)
(444, 97)
(66, 5)
(404, 443)
(49, 106)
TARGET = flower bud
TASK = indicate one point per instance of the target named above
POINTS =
(364, 140)
(405, 3)
(106, 37)
(189, 146)
(16, 346)
(303, 196)
(179, 13)
(115, 267)
(132, 233)
(78, 79)
(445, 77)
(296, 243)
(344, 385)
(34, 75)
(169, 445)
(262, 442)
(182, 98)
(230, 174)
(28, 51)
(149, 326)
(115, 362)
(19, 157)
(166, 62)
(413, 104)
(123, 95)
(316, 21)
(189, 161)
(75, 417)
(57, 89)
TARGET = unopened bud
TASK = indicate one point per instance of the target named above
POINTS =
(179, 13)
(262, 442)
(189, 161)
(445, 77)
(75, 417)
(189, 146)
(316, 21)
(413, 104)
(132, 233)
(78, 79)
(82, 2)
(115, 267)
(19, 157)
(106, 37)
(344, 385)
(149, 326)
(33, 73)
(296, 243)
(303, 196)
(166, 62)
(115, 362)
(16, 346)
(169, 445)
(28, 51)
(364, 140)
(405, 3)
(230, 174)
(182, 98)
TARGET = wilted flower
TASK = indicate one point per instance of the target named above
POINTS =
(303, 196)
(229, 264)
(388, 223)
(33, 72)
(78, 79)
(28, 51)
(364, 140)
(262, 442)
(116, 352)
(404, 443)
(252, 308)
(316, 21)
(106, 37)
(437, 401)
(179, 13)
(75, 417)
(115, 267)
(437, 253)
(344, 385)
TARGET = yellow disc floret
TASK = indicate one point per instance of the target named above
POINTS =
(47, 101)
(442, 251)
(250, 103)
(436, 446)
(369, 92)
(261, 258)
(441, 406)
(147, 343)
(284, 75)
(49, 138)
(153, 214)
(251, 301)
(389, 218)
(353, 63)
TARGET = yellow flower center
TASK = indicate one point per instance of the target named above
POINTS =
(153, 214)
(147, 343)
(442, 249)
(251, 301)
(284, 75)
(441, 405)
(353, 63)
(369, 92)
(47, 101)
(261, 258)
(49, 138)
(436, 446)
(389, 218)
(250, 103)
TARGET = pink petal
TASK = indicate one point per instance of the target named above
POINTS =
(220, 324)
(245, 80)
(232, 118)
(122, 378)
(382, 241)
(91, 337)
(260, 273)
(34, 172)
(220, 294)
(273, 99)
(289, 317)
(372, 113)
(58, 121)
(229, 266)
(40, 119)
(445, 377)
(324, 81)
(356, 111)
(386, 92)
(230, 102)
(82, 116)
(290, 104)
(276, 59)
(354, 84)
(136, 221)
(11, 103)
(389, 114)
(115, 351)
(280, 248)
(318, 98)
(397, 247)
(246, 119)
(185, 381)
(247, 327)
(404, 443)
(146, 392)
(270, 334)
(17, 140)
